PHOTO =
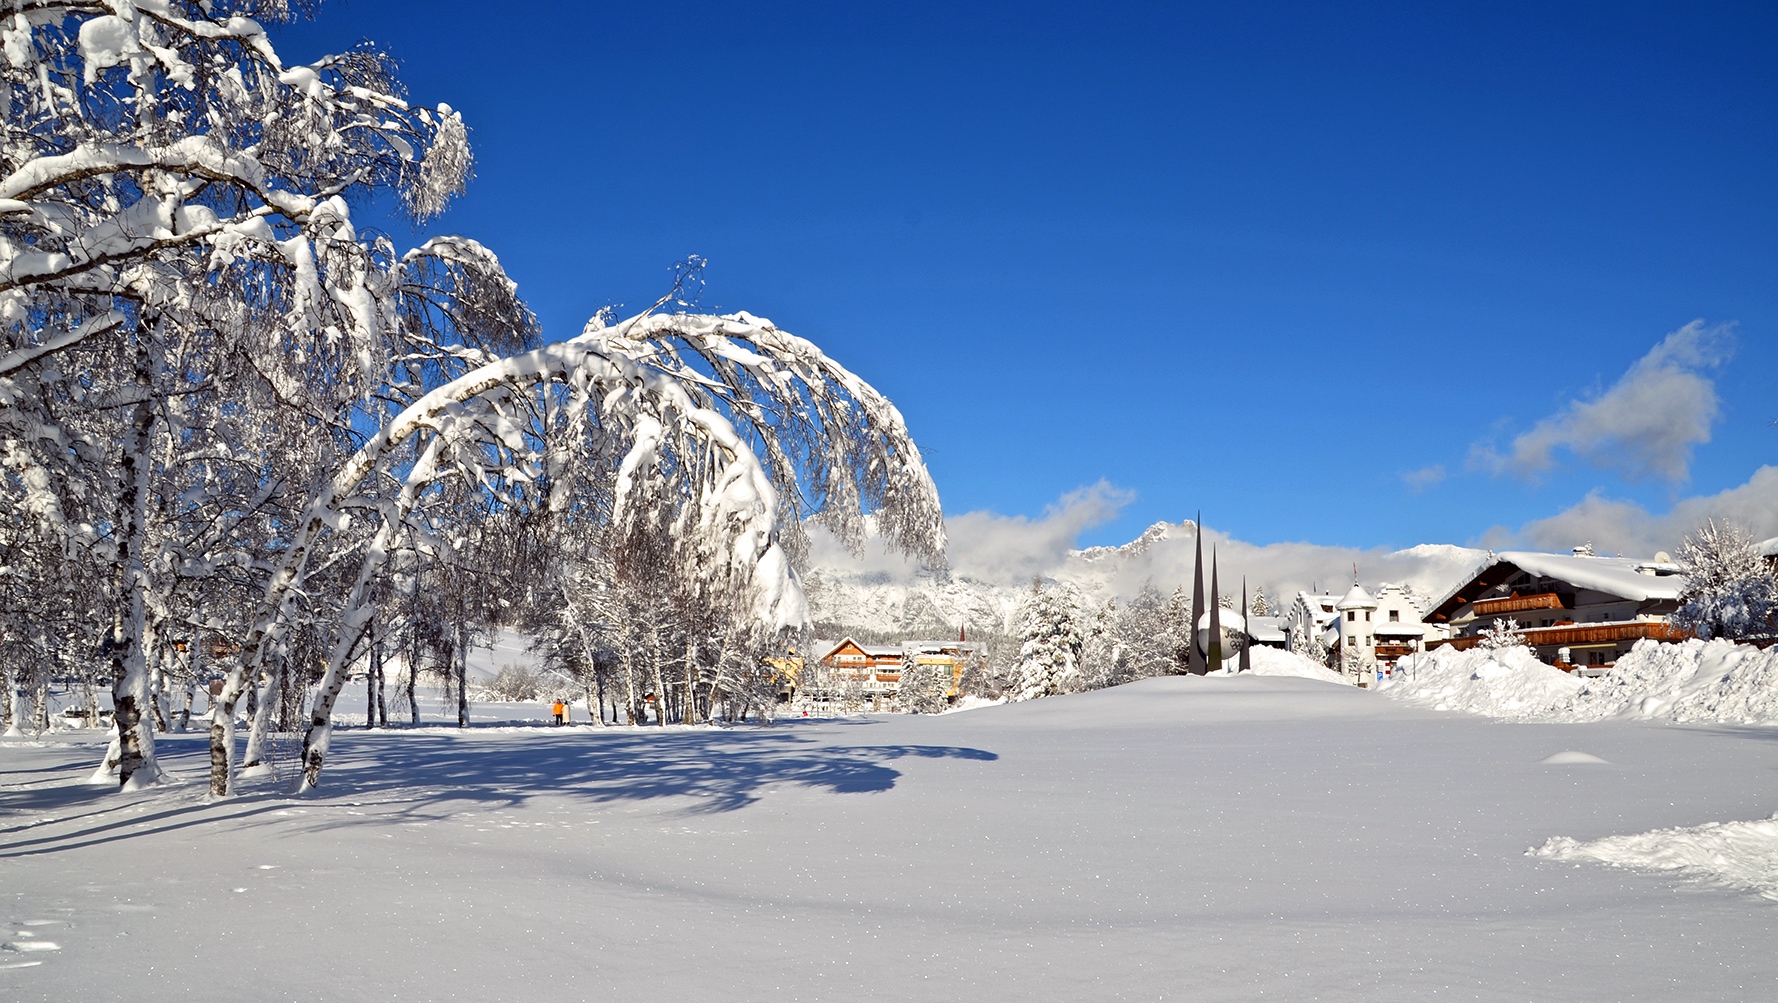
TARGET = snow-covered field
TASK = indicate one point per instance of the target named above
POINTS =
(1179, 838)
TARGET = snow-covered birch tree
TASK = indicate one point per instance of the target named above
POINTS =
(178, 256)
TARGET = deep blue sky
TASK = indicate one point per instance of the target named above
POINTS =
(1258, 259)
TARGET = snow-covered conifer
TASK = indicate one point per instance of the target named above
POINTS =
(1050, 643)
(924, 686)
(1260, 606)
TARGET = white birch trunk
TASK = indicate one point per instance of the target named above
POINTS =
(353, 628)
(254, 759)
(136, 765)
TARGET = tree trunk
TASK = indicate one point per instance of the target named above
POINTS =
(40, 704)
(371, 667)
(136, 765)
(690, 714)
(630, 686)
(660, 687)
(462, 675)
(266, 696)
(8, 699)
(413, 686)
(382, 705)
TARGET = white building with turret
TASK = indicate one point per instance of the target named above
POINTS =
(1359, 633)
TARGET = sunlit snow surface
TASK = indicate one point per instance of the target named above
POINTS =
(1180, 838)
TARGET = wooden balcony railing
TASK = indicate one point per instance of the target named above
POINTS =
(1583, 633)
(1517, 604)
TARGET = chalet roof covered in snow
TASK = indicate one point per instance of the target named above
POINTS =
(1266, 629)
(1357, 598)
(1768, 548)
(1625, 577)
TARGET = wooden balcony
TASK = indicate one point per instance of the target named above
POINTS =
(1517, 604)
(1581, 633)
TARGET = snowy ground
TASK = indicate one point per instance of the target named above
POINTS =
(1216, 838)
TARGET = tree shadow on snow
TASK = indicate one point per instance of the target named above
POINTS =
(426, 775)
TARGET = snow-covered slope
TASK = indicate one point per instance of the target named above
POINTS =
(1224, 838)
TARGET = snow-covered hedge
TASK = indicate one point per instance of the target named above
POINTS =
(1689, 681)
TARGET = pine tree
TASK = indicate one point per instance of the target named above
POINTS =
(1049, 655)
(1261, 606)
(924, 686)
(1180, 630)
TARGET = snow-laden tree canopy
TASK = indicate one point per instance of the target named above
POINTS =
(1729, 590)
(236, 404)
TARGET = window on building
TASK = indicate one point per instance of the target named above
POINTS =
(1351, 615)
(1367, 640)
(1367, 616)
(1395, 616)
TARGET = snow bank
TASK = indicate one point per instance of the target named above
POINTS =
(1737, 854)
(1689, 681)
(1277, 662)
(1692, 681)
(1506, 683)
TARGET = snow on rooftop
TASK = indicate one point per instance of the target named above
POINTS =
(1400, 630)
(1357, 598)
(1616, 576)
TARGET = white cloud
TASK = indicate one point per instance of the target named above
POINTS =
(1623, 527)
(1645, 425)
(990, 547)
(1285, 568)
(1419, 480)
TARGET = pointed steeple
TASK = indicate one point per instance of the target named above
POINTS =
(1246, 663)
(1194, 661)
(1214, 642)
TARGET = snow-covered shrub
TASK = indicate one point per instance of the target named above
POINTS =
(515, 683)
(1729, 591)
(1502, 634)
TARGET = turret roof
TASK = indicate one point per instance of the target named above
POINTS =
(1358, 598)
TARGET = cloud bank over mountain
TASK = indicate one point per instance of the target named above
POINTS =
(994, 557)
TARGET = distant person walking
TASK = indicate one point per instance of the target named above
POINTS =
(560, 710)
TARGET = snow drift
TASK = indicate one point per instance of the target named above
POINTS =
(1736, 854)
(1277, 662)
(1692, 681)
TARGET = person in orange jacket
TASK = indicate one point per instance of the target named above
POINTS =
(558, 710)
